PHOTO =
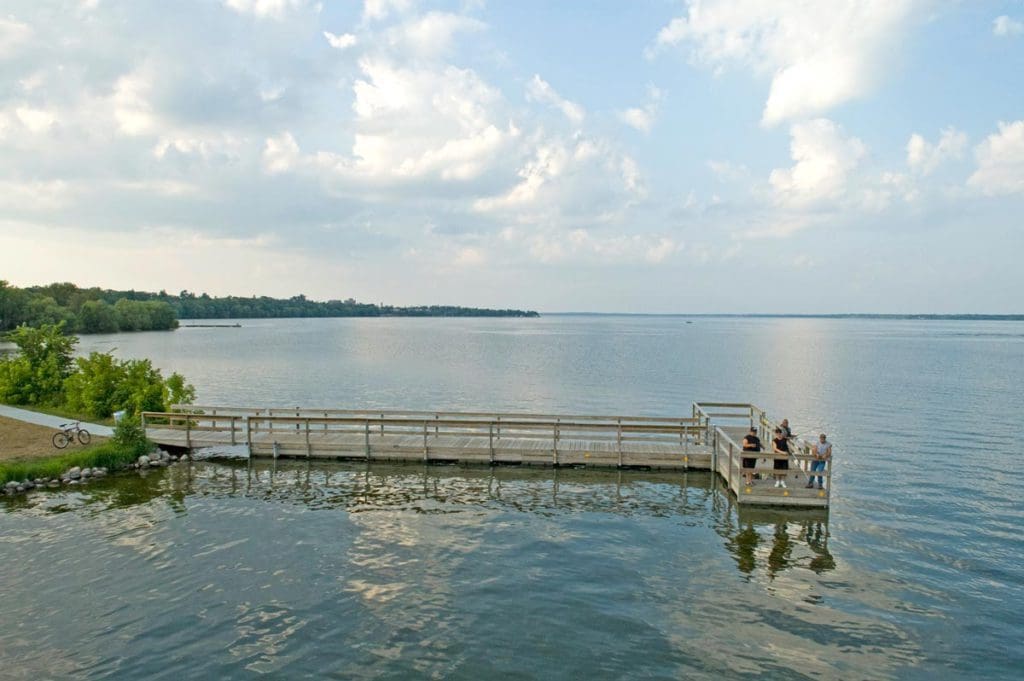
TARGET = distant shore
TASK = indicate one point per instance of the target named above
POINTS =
(725, 315)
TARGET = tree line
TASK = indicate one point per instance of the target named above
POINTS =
(95, 310)
(81, 310)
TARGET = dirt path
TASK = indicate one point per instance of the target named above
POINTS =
(20, 440)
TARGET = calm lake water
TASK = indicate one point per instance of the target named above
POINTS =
(229, 570)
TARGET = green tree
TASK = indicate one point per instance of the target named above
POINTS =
(97, 316)
(142, 389)
(45, 310)
(131, 315)
(36, 374)
(95, 388)
(178, 391)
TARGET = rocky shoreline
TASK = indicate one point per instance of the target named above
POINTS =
(78, 476)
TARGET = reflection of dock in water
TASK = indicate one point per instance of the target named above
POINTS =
(766, 541)
(706, 440)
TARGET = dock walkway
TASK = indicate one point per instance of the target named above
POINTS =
(707, 439)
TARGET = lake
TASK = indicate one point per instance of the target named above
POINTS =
(230, 570)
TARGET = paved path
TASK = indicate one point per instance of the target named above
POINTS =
(50, 421)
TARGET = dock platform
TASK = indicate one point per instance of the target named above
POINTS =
(707, 439)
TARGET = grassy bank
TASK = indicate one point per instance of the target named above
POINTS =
(107, 455)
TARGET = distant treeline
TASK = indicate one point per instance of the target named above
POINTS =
(191, 306)
(81, 310)
(95, 310)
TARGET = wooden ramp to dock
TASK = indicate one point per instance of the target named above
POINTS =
(696, 441)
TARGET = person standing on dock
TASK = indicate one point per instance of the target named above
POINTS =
(822, 453)
(786, 431)
(751, 443)
(780, 445)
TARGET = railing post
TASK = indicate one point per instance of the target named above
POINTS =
(309, 447)
(367, 424)
(714, 454)
(248, 435)
(233, 419)
(382, 425)
(426, 456)
(730, 465)
(188, 432)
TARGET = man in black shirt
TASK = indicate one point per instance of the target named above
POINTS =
(751, 443)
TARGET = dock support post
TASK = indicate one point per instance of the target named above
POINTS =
(618, 438)
(367, 424)
(555, 442)
(490, 441)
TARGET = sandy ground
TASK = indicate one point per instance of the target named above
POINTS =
(20, 440)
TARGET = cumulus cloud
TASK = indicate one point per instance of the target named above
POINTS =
(539, 90)
(265, 9)
(823, 158)
(1000, 161)
(1005, 26)
(341, 42)
(642, 118)
(432, 34)
(924, 157)
(417, 121)
(375, 10)
(817, 55)
(13, 35)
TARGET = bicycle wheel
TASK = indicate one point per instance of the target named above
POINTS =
(60, 440)
(84, 437)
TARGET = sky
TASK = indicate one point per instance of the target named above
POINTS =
(646, 156)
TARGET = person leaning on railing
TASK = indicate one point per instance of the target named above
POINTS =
(751, 443)
(780, 445)
(822, 452)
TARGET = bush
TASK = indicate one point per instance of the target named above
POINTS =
(130, 437)
(36, 374)
(93, 388)
(178, 391)
(103, 385)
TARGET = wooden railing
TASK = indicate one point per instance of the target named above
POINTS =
(486, 430)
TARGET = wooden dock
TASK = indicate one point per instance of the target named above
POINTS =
(707, 439)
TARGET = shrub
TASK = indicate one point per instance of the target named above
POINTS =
(178, 391)
(130, 437)
(94, 388)
(36, 374)
(103, 385)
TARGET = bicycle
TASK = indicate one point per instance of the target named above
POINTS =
(68, 433)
